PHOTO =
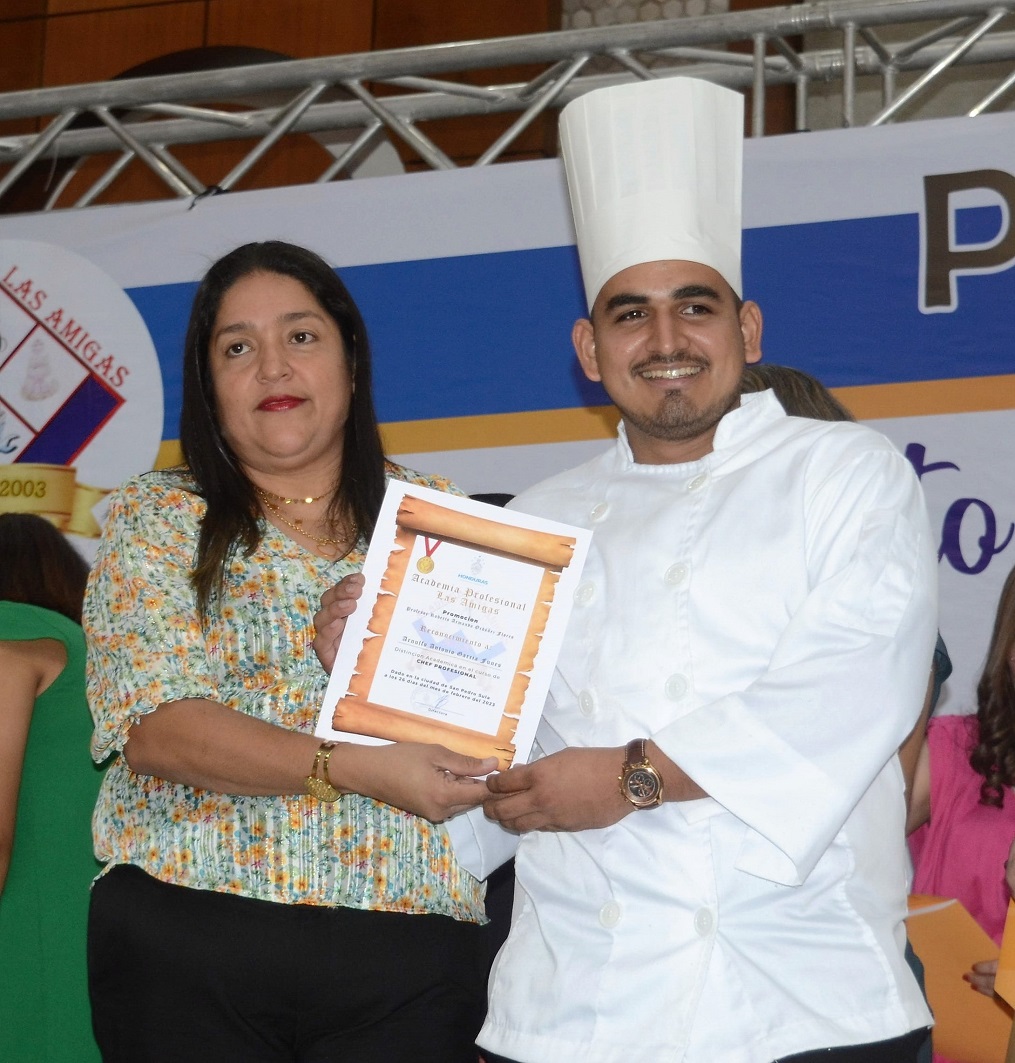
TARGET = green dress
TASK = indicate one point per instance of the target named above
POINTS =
(44, 1012)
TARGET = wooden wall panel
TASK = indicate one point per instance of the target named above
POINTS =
(300, 28)
(21, 50)
(63, 7)
(402, 23)
(99, 45)
(21, 55)
(17, 9)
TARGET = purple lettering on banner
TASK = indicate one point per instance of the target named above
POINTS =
(951, 529)
(916, 452)
(951, 545)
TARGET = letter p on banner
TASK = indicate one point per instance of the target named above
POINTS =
(943, 259)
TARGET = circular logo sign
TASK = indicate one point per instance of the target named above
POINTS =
(81, 405)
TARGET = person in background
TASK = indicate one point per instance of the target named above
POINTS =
(962, 816)
(47, 792)
(799, 393)
(267, 896)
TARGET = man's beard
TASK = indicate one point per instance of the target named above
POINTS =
(677, 418)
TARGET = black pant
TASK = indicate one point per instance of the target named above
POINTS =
(898, 1050)
(178, 975)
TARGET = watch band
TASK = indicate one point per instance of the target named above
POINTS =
(317, 782)
(636, 753)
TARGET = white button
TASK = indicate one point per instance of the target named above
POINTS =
(703, 922)
(586, 703)
(675, 574)
(585, 593)
(609, 914)
(698, 481)
(599, 511)
(676, 686)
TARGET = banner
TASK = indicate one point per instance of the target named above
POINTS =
(882, 260)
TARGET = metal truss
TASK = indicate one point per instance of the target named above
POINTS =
(354, 103)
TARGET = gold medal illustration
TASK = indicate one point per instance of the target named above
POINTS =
(425, 564)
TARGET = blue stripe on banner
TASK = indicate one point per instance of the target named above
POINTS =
(978, 225)
(455, 337)
(451, 337)
(490, 333)
(166, 310)
(841, 301)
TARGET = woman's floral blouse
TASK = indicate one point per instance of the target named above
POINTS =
(146, 647)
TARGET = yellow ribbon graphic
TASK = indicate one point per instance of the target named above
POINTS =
(51, 491)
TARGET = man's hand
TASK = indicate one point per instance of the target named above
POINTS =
(338, 603)
(575, 789)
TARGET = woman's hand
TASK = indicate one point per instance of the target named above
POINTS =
(426, 780)
(981, 977)
(211, 746)
(338, 603)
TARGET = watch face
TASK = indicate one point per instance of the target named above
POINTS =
(642, 785)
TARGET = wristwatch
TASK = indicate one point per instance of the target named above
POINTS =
(317, 782)
(640, 783)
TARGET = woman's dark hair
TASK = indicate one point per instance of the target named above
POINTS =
(800, 394)
(38, 566)
(233, 511)
(994, 754)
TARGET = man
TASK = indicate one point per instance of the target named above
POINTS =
(711, 866)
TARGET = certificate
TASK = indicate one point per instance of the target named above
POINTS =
(457, 633)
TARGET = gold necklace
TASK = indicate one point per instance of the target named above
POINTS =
(297, 526)
(289, 501)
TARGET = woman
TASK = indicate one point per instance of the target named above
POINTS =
(268, 897)
(47, 792)
(962, 801)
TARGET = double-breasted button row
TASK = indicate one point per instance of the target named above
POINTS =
(610, 914)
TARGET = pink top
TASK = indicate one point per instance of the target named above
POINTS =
(962, 850)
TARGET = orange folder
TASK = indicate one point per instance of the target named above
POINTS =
(968, 1026)
(1004, 984)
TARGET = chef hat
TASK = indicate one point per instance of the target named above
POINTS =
(654, 171)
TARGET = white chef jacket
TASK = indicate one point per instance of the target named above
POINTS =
(767, 615)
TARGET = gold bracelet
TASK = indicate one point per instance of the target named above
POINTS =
(317, 782)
